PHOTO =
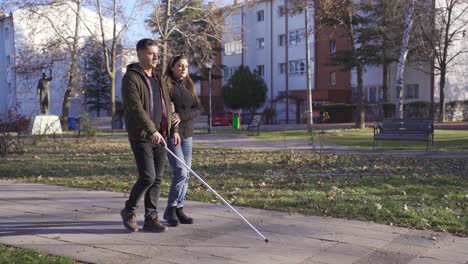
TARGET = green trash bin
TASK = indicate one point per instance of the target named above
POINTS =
(236, 121)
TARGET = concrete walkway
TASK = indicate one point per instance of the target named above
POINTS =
(86, 226)
(248, 142)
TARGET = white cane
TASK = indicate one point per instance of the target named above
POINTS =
(219, 196)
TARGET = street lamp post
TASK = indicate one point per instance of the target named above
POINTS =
(209, 65)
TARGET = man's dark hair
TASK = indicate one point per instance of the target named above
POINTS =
(145, 43)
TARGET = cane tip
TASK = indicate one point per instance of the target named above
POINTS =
(266, 240)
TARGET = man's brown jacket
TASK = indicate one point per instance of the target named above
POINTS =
(136, 102)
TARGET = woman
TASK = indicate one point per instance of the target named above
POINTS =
(187, 107)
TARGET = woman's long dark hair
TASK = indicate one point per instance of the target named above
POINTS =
(169, 76)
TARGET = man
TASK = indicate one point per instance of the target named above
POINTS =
(43, 92)
(148, 121)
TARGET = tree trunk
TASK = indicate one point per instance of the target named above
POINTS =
(385, 79)
(165, 37)
(444, 60)
(112, 93)
(110, 60)
(72, 71)
(111, 73)
(361, 115)
(402, 59)
(310, 119)
(442, 95)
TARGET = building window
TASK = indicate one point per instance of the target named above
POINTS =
(228, 72)
(296, 37)
(260, 16)
(411, 91)
(8, 59)
(233, 47)
(282, 40)
(374, 94)
(332, 46)
(260, 70)
(281, 10)
(7, 33)
(235, 20)
(297, 67)
(332, 78)
(282, 68)
(260, 43)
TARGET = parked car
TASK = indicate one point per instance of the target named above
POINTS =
(222, 119)
(315, 115)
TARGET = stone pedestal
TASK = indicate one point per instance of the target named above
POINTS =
(46, 125)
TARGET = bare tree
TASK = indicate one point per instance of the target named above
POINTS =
(389, 22)
(351, 19)
(73, 49)
(66, 36)
(110, 44)
(70, 34)
(298, 6)
(188, 26)
(443, 43)
(408, 26)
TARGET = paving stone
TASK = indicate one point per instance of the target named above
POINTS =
(385, 257)
(348, 249)
(419, 238)
(390, 229)
(455, 244)
(360, 231)
(404, 248)
(425, 260)
(334, 258)
(442, 255)
(311, 261)
(253, 251)
(352, 239)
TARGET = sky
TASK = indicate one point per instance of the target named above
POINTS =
(138, 29)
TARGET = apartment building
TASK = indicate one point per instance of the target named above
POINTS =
(421, 79)
(272, 42)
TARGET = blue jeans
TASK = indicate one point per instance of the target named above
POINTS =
(181, 174)
(150, 159)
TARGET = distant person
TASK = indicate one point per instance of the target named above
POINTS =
(187, 107)
(147, 113)
(43, 92)
(325, 117)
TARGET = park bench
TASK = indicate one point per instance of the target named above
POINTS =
(19, 126)
(405, 129)
(253, 129)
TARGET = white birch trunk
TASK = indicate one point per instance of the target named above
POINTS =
(402, 58)
(310, 117)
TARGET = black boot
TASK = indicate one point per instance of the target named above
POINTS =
(183, 218)
(170, 216)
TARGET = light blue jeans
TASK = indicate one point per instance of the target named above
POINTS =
(181, 174)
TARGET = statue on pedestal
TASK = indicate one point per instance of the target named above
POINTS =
(43, 92)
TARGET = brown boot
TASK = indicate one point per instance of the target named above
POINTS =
(129, 220)
(152, 224)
